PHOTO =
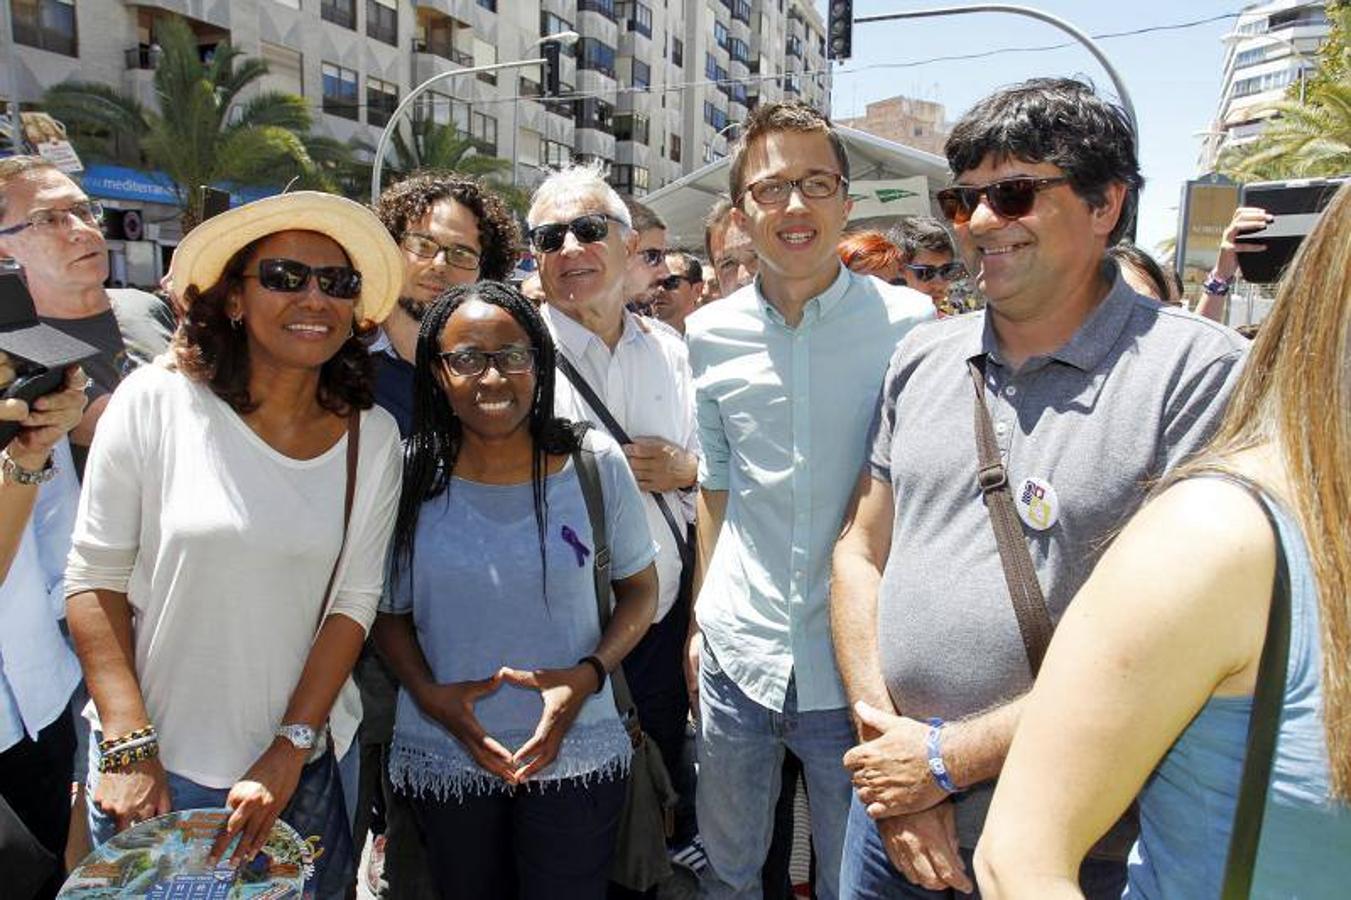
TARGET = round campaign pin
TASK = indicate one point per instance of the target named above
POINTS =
(1037, 504)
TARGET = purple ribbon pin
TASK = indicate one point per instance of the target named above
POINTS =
(572, 540)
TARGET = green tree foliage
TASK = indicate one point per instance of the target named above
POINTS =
(203, 133)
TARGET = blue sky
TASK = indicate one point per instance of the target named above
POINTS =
(1173, 77)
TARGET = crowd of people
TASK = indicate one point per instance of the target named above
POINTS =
(349, 531)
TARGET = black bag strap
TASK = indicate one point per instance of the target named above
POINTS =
(588, 476)
(617, 432)
(353, 456)
(1264, 723)
(1029, 604)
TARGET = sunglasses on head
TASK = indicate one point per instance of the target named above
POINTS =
(289, 276)
(507, 361)
(589, 229)
(1010, 198)
(946, 272)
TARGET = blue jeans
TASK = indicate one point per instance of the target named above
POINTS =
(868, 874)
(741, 747)
(326, 820)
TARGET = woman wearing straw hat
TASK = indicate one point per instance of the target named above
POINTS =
(229, 552)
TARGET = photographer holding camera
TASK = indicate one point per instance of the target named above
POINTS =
(38, 670)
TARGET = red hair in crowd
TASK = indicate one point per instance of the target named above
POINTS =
(870, 253)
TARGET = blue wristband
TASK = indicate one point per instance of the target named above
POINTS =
(936, 767)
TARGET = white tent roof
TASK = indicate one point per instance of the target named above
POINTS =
(685, 202)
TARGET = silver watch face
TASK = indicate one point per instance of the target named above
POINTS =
(301, 736)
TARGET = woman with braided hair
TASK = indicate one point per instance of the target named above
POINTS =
(506, 737)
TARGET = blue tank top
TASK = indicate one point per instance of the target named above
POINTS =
(1187, 805)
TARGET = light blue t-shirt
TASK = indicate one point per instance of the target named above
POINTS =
(1187, 806)
(478, 603)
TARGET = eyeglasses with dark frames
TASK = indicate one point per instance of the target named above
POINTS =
(90, 212)
(425, 246)
(473, 363)
(776, 191)
(946, 272)
(290, 276)
(549, 236)
(1008, 198)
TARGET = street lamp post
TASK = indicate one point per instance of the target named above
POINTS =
(378, 163)
(1028, 11)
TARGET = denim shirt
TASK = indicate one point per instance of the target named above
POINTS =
(38, 670)
(783, 419)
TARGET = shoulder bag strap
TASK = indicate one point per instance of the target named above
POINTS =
(1264, 723)
(617, 432)
(353, 454)
(588, 476)
(1029, 604)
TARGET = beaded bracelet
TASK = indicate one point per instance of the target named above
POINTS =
(114, 743)
(122, 758)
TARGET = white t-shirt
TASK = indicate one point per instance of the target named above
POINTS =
(223, 547)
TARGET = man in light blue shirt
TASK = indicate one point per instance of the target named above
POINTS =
(786, 371)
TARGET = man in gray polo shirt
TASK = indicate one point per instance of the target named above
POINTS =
(1093, 391)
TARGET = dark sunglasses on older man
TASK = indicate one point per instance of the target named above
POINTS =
(289, 276)
(589, 229)
(1010, 198)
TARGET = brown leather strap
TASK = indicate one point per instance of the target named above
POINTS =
(353, 454)
(1029, 604)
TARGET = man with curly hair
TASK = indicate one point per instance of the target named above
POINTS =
(452, 230)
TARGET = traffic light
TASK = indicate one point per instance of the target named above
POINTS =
(840, 30)
(552, 80)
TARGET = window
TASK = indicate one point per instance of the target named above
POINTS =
(562, 108)
(483, 130)
(45, 24)
(1306, 15)
(381, 99)
(593, 113)
(489, 5)
(710, 67)
(632, 127)
(638, 16)
(557, 155)
(629, 179)
(714, 116)
(434, 106)
(552, 24)
(677, 51)
(382, 21)
(794, 46)
(738, 92)
(741, 10)
(594, 55)
(340, 91)
(642, 75)
(720, 34)
(675, 148)
(605, 7)
(339, 12)
(1248, 57)
(739, 50)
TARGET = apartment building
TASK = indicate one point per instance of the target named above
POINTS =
(906, 120)
(1273, 45)
(652, 90)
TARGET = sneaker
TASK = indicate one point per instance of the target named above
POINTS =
(691, 856)
(375, 865)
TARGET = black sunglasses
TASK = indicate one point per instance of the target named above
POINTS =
(589, 229)
(671, 282)
(290, 276)
(1011, 198)
(507, 361)
(947, 272)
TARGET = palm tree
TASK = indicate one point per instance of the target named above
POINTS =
(1306, 140)
(208, 135)
(428, 145)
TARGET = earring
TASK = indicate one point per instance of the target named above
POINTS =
(236, 321)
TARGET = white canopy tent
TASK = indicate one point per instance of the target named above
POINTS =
(887, 179)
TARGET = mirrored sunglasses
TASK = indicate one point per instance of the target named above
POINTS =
(289, 276)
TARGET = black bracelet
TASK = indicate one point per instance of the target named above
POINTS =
(595, 663)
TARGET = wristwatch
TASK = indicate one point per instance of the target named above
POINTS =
(19, 475)
(1215, 285)
(301, 736)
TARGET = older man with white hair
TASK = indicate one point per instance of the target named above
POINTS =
(622, 369)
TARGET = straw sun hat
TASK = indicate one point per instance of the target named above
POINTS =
(201, 256)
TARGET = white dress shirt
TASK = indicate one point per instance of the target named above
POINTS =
(38, 670)
(645, 382)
